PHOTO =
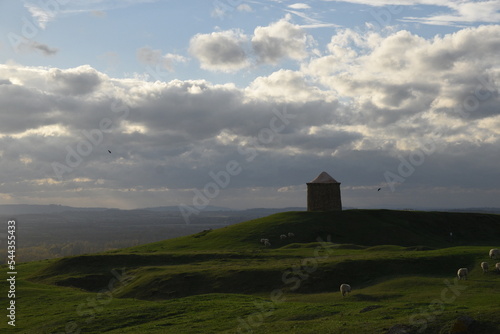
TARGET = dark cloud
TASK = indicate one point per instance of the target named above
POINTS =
(80, 81)
(43, 48)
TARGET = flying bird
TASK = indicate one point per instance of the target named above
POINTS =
(109, 151)
(379, 189)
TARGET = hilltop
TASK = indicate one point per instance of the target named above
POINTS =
(396, 262)
(361, 227)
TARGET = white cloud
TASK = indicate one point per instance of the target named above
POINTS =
(280, 40)
(299, 6)
(458, 12)
(42, 16)
(286, 86)
(220, 51)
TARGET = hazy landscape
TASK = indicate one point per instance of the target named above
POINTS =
(49, 231)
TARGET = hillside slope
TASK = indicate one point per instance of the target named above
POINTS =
(211, 261)
(396, 261)
(361, 227)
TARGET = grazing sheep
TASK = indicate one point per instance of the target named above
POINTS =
(494, 253)
(497, 266)
(267, 243)
(344, 289)
(462, 273)
(290, 234)
(484, 266)
(283, 236)
(263, 240)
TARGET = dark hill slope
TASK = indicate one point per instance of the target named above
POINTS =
(361, 227)
(223, 259)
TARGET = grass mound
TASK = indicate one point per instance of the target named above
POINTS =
(359, 227)
(221, 281)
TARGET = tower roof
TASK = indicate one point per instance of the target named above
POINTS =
(324, 177)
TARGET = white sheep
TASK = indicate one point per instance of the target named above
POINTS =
(462, 273)
(497, 266)
(263, 240)
(494, 253)
(290, 234)
(485, 267)
(345, 288)
(267, 243)
(283, 236)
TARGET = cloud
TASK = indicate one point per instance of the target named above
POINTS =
(464, 12)
(43, 48)
(286, 85)
(30, 45)
(232, 50)
(280, 40)
(355, 111)
(401, 77)
(78, 81)
(244, 8)
(299, 6)
(44, 11)
(42, 16)
(451, 13)
(151, 57)
(220, 51)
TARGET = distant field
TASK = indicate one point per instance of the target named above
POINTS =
(401, 265)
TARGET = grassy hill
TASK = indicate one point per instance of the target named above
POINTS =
(401, 265)
(363, 227)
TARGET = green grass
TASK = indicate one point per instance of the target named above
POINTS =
(399, 264)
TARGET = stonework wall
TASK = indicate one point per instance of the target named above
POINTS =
(323, 197)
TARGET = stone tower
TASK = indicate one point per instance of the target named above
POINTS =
(323, 194)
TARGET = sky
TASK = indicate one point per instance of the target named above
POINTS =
(234, 103)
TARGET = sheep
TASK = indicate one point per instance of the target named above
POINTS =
(263, 240)
(497, 266)
(283, 236)
(484, 266)
(344, 289)
(290, 234)
(494, 253)
(267, 243)
(462, 273)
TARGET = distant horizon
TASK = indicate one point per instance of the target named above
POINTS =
(216, 208)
